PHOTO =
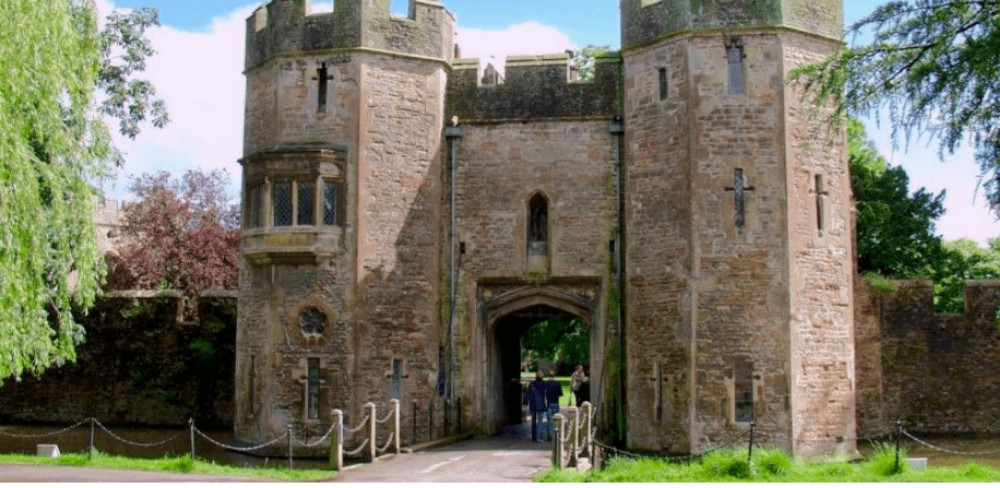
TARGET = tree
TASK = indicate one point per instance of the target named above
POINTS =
(586, 58)
(52, 146)
(934, 65)
(895, 230)
(566, 341)
(964, 260)
(179, 234)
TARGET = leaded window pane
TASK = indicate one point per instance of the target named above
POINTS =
(734, 53)
(743, 394)
(313, 384)
(282, 201)
(330, 203)
(307, 207)
(254, 207)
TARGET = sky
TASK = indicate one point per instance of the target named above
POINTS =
(198, 72)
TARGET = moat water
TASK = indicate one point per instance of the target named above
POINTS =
(179, 444)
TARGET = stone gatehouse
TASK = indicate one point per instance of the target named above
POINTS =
(407, 219)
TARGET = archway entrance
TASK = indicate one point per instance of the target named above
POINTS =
(510, 332)
(505, 319)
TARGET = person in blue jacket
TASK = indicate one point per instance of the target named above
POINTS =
(534, 398)
(553, 390)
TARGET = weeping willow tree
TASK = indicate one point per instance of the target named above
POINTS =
(52, 147)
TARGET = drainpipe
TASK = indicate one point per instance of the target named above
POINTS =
(617, 127)
(452, 133)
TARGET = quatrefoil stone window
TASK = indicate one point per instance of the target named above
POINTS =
(312, 322)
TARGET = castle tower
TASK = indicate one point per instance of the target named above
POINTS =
(338, 296)
(738, 231)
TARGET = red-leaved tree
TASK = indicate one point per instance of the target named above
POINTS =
(181, 235)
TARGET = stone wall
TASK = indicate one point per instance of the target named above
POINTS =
(534, 87)
(646, 21)
(936, 372)
(141, 364)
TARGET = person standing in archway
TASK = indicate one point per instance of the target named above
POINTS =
(577, 382)
(553, 390)
(534, 398)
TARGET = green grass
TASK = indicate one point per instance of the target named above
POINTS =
(182, 464)
(770, 466)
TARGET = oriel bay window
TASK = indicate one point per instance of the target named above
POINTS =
(293, 203)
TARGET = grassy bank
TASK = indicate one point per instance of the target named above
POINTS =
(771, 466)
(170, 465)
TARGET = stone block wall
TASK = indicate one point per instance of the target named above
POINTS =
(142, 364)
(936, 372)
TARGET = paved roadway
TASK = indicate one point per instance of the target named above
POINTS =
(509, 457)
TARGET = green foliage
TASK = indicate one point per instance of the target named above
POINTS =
(883, 461)
(770, 465)
(896, 233)
(773, 461)
(170, 464)
(879, 283)
(203, 349)
(585, 60)
(934, 65)
(964, 260)
(726, 464)
(558, 340)
(52, 147)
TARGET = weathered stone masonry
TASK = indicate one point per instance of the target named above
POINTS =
(734, 222)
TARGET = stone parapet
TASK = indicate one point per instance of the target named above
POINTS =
(535, 87)
(645, 21)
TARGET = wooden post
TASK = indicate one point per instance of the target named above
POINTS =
(557, 441)
(372, 448)
(90, 453)
(395, 423)
(290, 444)
(588, 419)
(574, 435)
(337, 441)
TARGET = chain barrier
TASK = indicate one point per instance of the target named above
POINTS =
(306, 443)
(281, 437)
(359, 427)
(358, 450)
(949, 451)
(47, 434)
(388, 443)
(134, 443)
(388, 417)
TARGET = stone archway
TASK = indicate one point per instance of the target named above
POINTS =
(506, 313)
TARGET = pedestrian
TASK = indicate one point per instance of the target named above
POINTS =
(576, 383)
(553, 390)
(534, 398)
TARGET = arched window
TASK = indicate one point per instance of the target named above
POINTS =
(538, 225)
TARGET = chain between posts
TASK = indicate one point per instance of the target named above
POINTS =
(205, 436)
(47, 434)
(321, 440)
(948, 451)
(358, 450)
(359, 427)
(388, 443)
(134, 443)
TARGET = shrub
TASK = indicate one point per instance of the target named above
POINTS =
(883, 461)
(726, 463)
(773, 461)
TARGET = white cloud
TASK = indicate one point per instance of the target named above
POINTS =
(493, 46)
(199, 76)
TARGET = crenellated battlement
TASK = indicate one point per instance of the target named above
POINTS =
(288, 28)
(911, 303)
(645, 21)
(538, 86)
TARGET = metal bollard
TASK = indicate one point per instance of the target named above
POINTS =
(753, 428)
(459, 418)
(372, 448)
(90, 453)
(337, 440)
(395, 424)
(574, 435)
(191, 426)
(414, 421)
(557, 443)
(289, 431)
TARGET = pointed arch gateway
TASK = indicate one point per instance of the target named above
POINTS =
(506, 313)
